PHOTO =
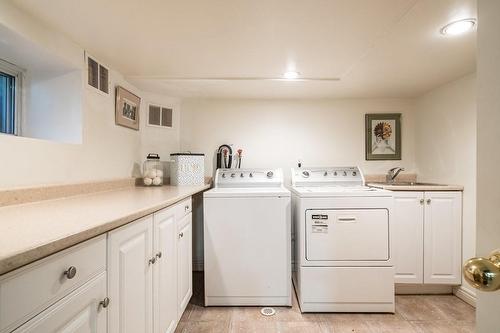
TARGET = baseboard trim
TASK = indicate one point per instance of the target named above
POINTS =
(422, 289)
(465, 295)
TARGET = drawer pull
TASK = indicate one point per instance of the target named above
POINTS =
(186, 208)
(70, 272)
(152, 260)
(104, 303)
(158, 255)
(181, 235)
(428, 201)
(422, 201)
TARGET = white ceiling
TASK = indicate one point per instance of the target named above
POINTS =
(378, 48)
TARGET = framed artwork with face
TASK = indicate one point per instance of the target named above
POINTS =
(383, 136)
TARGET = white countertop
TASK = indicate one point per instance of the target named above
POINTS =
(31, 231)
(418, 187)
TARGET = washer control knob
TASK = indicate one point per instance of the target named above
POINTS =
(354, 173)
(223, 175)
(270, 174)
(305, 174)
(335, 173)
(241, 175)
(233, 175)
(250, 175)
(325, 174)
(345, 173)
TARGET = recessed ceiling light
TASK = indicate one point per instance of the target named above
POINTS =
(458, 27)
(291, 75)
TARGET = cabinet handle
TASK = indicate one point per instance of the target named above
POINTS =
(158, 255)
(428, 201)
(181, 235)
(70, 272)
(186, 208)
(422, 201)
(152, 260)
(104, 303)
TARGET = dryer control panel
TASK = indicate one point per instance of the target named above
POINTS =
(329, 176)
(239, 178)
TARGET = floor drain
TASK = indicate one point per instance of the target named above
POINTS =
(268, 311)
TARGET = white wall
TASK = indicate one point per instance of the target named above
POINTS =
(162, 141)
(276, 133)
(488, 152)
(445, 126)
(107, 152)
(53, 108)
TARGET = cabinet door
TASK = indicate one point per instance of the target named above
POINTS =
(130, 277)
(408, 238)
(165, 271)
(79, 312)
(443, 237)
(184, 263)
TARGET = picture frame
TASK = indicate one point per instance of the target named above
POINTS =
(127, 108)
(383, 136)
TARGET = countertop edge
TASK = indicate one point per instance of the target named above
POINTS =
(31, 255)
(417, 188)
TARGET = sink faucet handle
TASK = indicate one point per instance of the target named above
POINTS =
(393, 173)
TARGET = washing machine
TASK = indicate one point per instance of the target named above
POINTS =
(342, 233)
(247, 239)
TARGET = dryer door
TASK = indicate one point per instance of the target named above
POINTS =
(347, 235)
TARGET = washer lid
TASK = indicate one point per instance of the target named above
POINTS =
(253, 192)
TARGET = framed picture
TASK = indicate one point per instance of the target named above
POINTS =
(383, 136)
(127, 108)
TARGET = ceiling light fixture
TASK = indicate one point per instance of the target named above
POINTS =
(291, 75)
(458, 27)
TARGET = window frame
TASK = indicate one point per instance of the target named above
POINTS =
(19, 75)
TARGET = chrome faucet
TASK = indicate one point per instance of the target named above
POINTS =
(392, 174)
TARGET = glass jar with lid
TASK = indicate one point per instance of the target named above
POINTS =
(152, 170)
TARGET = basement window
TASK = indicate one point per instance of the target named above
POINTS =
(98, 75)
(10, 91)
(160, 116)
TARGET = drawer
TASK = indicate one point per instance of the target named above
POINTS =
(80, 311)
(29, 290)
(183, 208)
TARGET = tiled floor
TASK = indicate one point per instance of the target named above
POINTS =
(414, 314)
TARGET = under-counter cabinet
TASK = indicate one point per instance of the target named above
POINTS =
(185, 267)
(82, 311)
(136, 278)
(130, 277)
(148, 264)
(428, 237)
(65, 292)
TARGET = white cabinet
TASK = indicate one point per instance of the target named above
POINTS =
(29, 290)
(150, 265)
(137, 278)
(408, 240)
(443, 238)
(165, 272)
(79, 312)
(428, 237)
(130, 283)
(184, 260)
